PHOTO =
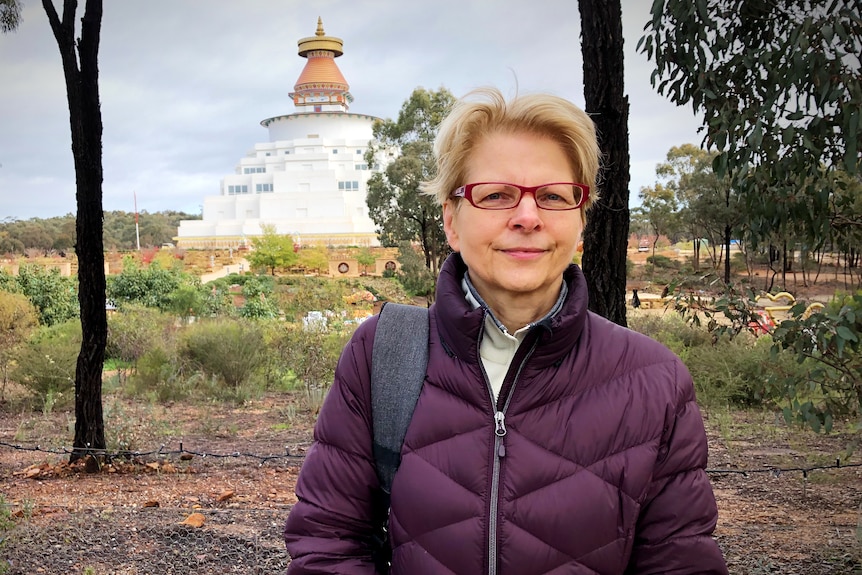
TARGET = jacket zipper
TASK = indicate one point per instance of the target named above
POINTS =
(499, 454)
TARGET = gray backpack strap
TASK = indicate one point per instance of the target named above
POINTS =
(398, 362)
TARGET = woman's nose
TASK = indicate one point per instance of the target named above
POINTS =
(527, 213)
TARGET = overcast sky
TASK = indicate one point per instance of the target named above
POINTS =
(185, 84)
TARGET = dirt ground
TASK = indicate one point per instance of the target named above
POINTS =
(219, 505)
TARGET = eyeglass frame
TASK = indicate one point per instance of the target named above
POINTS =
(466, 192)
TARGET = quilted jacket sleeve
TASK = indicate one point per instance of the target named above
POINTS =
(679, 514)
(329, 529)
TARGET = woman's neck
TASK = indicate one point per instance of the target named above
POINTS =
(517, 310)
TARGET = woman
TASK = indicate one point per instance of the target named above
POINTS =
(546, 439)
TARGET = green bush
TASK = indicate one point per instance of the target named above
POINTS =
(259, 300)
(302, 357)
(160, 376)
(231, 350)
(731, 372)
(670, 329)
(155, 286)
(299, 295)
(18, 319)
(663, 262)
(136, 330)
(54, 296)
(728, 372)
(45, 364)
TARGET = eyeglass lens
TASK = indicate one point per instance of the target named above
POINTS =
(504, 196)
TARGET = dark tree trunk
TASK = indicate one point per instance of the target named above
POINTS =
(727, 253)
(695, 264)
(607, 230)
(82, 90)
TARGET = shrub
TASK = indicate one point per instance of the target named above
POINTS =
(726, 372)
(731, 372)
(54, 296)
(259, 303)
(151, 286)
(229, 349)
(663, 262)
(45, 364)
(135, 331)
(302, 355)
(17, 320)
(302, 294)
(670, 329)
(160, 376)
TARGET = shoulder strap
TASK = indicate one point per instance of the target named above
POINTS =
(398, 362)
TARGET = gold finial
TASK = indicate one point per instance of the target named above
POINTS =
(320, 41)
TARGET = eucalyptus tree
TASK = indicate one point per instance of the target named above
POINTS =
(707, 204)
(10, 15)
(607, 229)
(80, 59)
(780, 87)
(400, 211)
(661, 211)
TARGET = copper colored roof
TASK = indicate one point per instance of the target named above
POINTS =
(320, 70)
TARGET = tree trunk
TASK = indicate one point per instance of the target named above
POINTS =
(727, 253)
(607, 229)
(695, 264)
(82, 91)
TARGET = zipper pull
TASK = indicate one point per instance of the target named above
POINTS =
(500, 431)
(500, 422)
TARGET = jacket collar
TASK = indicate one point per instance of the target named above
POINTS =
(460, 324)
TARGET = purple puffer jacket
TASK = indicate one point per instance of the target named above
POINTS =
(591, 462)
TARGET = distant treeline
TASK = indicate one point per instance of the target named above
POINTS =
(57, 235)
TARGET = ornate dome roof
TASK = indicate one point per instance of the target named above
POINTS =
(320, 69)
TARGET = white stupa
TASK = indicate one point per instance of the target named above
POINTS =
(309, 179)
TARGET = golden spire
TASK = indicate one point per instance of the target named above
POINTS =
(320, 41)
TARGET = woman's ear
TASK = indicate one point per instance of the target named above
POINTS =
(450, 225)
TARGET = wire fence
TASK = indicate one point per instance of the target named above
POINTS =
(297, 459)
(99, 535)
(180, 450)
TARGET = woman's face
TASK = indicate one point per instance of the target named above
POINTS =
(523, 251)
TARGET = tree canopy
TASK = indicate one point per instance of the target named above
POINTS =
(57, 234)
(780, 88)
(660, 211)
(395, 204)
(10, 15)
(707, 204)
(272, 250)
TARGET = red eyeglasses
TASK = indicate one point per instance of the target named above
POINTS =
(558, 196)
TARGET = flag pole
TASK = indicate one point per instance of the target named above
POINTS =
(137, 230)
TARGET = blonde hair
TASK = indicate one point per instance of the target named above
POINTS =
(485, 111)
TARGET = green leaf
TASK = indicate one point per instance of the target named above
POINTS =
(845, 333)
(814, 422)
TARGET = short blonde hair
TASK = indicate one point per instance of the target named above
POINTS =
(485, 111)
